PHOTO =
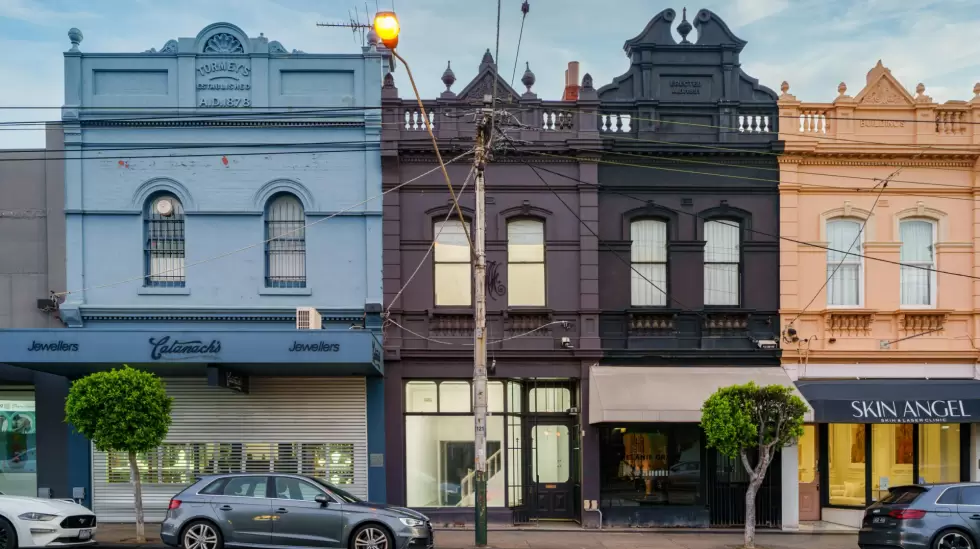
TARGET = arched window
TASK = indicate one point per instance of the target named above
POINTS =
(451, 264)
(722, 262)
(844, 273)
(285, 247)
(648, 259)
(918, 257)
(163, 227)
(525, 263)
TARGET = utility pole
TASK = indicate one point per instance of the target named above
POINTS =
(480, 324)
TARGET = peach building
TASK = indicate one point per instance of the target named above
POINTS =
(880, 290)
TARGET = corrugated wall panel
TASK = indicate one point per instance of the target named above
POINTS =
(302, 411)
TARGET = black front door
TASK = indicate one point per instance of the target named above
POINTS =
(551, 467)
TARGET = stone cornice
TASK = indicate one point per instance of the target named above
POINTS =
(197, 123)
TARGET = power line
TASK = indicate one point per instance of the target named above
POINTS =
(603, 188)
(250, 246)
(733, 176)
(225, 154)
(525, 7)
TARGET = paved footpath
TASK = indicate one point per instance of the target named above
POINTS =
(121, 535)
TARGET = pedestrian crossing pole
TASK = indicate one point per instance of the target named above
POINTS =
(480, 326)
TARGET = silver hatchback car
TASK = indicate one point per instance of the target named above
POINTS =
(924, 516)
(278, 510)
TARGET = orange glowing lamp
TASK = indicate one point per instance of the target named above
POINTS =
(386, 25)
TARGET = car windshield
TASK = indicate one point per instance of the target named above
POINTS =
(903, 494)
(337, 491)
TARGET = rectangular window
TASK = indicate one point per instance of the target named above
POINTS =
(525, 263)
(453, 278)
(182, 463)
(439, 457)
(843, 263)
(891, 454)
(658, 464)
(846, 453)
(18, 443)
(918, 263)
(722, 256)
(939, 452)
(648, 259)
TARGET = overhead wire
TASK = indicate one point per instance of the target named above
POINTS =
(603, 188)
(525, 7)
(259, 243)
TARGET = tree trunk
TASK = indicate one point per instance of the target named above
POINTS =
(750, 493)
(134, 471)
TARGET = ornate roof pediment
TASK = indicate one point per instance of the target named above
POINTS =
(883, 89)
(482, 84)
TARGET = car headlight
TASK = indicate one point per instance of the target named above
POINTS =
(414, 523)
(37, 516)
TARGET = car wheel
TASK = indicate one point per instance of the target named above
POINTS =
(8, 535)
(952, 539)
(372, 536)
(201, 535)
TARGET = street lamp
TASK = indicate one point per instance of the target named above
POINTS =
(386, 25)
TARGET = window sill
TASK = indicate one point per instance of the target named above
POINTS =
(285, 291)
(161, 290)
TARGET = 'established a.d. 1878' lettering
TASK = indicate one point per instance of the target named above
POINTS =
(685, 87)
(909, 411)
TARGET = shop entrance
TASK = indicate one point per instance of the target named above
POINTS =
(809, 455)
(553, 445)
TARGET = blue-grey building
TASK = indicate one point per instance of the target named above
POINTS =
(223, 229)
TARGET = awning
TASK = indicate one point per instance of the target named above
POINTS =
(893, 400)
(77, 351)
(667, 394)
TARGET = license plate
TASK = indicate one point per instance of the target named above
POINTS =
(84, 535)
(878, 520)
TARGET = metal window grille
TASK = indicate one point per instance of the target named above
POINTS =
(183, 463)
(285, 248)
(164, 243)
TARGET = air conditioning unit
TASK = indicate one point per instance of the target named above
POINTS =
(308, 318)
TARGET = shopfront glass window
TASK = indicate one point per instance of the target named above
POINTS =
(549, 399)
(439, 457)
(807, 454)
(939, 452)
(892, 454)
(657, 464)
(420, 396)
(18, 455)
(846, 453)
(454, 396)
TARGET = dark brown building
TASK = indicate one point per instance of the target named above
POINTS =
(632, 271)
(543, 297)
(688, 274)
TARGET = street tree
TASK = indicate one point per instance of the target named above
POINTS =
(123, 410)
(749, 422)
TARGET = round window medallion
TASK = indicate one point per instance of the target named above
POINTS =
(165, 207)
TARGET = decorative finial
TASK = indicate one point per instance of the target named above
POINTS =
(684, 28)
(261, 35)
(976, 89)
(75, 36)
(784, 87)
(389, 81)
(920, 89)
(841, 88)
(528, 79)
(587, 82)
(448, 77)
(372, 38)
(487, 60)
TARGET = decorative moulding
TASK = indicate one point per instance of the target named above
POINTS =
(163, 184)
(848, 322)
(270, 189)
(923, 321)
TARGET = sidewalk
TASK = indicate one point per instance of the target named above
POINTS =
(121, 535)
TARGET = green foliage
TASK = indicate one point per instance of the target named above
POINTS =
(121, 410)
(748, 416)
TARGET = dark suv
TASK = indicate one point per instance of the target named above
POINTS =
(924, 516)
(278, 510)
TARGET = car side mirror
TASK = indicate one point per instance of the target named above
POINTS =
(322, 500)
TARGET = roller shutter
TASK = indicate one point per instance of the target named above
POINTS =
(314, 426)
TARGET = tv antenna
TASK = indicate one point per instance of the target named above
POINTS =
(354, 24)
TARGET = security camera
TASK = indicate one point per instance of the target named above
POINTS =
(767, 344)
(566, 343)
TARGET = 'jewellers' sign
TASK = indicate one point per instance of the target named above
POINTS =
(904, 411)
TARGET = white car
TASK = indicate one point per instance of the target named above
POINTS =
(37, 522)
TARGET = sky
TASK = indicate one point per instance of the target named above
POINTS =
(812, 44)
